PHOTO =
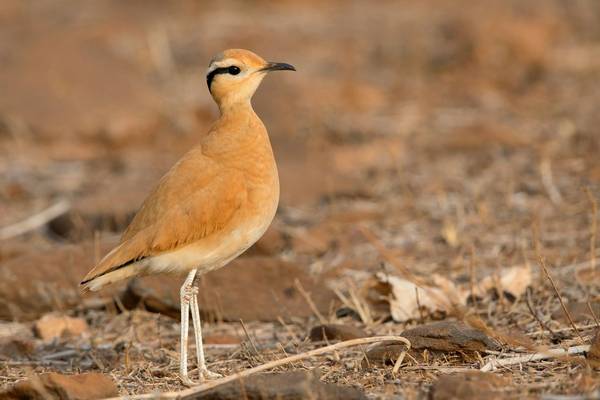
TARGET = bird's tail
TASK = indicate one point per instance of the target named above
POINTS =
(98, 282)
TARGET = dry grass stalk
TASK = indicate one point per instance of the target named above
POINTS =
(360, 305)
(251, 341)
(309, 301)
(390, 258)
(591, 310)
(593, 228)
(546, 355)
(560, 299)
(548, 182)
(35, 221)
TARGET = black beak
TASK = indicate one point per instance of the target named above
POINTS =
(275, 66)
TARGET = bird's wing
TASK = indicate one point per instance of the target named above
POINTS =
(186, 206)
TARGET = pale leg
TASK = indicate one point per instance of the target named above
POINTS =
(203, 371)
(185, 297)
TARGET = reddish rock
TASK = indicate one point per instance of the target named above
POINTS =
(250, 288)
(469, 386)
(438, 338)
(221, 339)
(52, 326)
(52, 386)
(32, 284)
(297, 385)
(447, 336)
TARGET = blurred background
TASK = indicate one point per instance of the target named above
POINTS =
(458, 133)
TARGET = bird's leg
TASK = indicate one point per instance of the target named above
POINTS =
(203, 371)
(185, 297)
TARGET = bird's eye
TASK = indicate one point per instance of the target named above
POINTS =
(233, 70)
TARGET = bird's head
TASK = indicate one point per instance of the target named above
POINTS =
(234, 75)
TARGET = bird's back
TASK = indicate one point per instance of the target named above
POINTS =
(212, 204)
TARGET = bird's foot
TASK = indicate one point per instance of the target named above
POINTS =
(205, 375)
(208, 375)
(187, 381)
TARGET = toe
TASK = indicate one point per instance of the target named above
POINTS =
(206, 374)
(187, 381)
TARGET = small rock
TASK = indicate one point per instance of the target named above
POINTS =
(437, 337)
(52, 386)
(221, 339)
(469, 386)
(296, 385)
(52, 326)
(593, 356)
(448, 336)
(27, 293)
(137, 294)
(385, 353)
(250, 288)
(335, 332)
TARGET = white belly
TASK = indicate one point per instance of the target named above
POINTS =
(206, 255)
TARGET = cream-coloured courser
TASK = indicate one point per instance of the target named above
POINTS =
(212, 205)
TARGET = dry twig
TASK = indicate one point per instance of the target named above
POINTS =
(309, 301)
(35, 221)
(549, 354)
(560, 299)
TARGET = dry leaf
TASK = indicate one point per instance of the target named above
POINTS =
(442, 295)
(513, 281)
(405, 297)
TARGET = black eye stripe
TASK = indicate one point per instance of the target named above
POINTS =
(223, 70)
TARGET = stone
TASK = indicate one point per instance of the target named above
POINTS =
(53, 386)
(296, 385)
(437, 337)
(53, 326)
(253, 288)
(32, 284)
(448, 336)
(469, 386)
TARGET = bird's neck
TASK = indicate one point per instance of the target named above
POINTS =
(237, 127)
(234, 105)
(240, 140)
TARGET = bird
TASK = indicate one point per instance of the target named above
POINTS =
(211, 206)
